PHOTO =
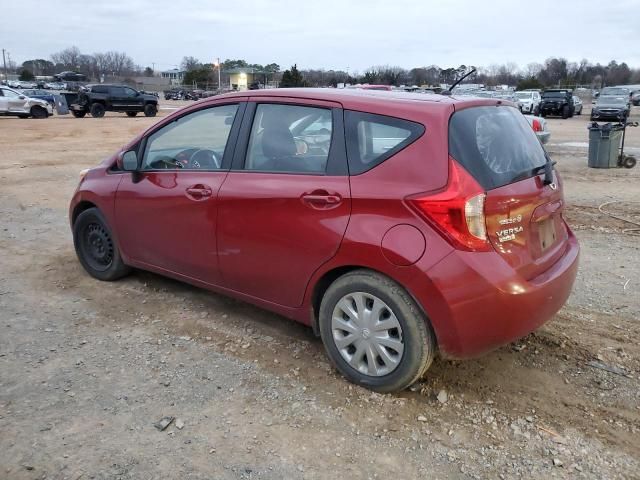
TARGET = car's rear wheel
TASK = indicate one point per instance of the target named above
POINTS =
(150, 110)
(39, 112)
(132, 114)
(97, 110)
(374, 332)
(78, 113)
(96, 248)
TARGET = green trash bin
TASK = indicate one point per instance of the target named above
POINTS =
(604, 145)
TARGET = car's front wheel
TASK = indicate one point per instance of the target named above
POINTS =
(374, 332)
(132, 114)
(96, 248)
(39, 112)
(78, 113)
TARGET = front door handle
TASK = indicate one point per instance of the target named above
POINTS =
(198, 192)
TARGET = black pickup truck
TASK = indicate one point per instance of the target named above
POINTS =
(97, 99)
(557, 102)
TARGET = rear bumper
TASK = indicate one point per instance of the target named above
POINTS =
(486, 304)
(543, 136)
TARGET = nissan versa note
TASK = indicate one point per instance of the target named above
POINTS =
(396, 225)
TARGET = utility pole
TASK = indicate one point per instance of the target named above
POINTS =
(153, 67)
(4, 61)
(219, 67)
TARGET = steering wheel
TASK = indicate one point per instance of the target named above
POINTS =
(204, 158)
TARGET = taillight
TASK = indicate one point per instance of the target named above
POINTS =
(457, 213)
(537, 125)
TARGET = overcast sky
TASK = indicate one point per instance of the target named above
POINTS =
(336, 34)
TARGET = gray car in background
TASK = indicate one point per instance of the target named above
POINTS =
(612, 104)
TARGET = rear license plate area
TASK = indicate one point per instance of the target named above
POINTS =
(547, 233)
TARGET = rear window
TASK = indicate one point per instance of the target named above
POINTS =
(371, 139)
(494, 144)
(555, 94)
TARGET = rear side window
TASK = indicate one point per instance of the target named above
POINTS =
(494, 144)
(100, 89)
(371, 139)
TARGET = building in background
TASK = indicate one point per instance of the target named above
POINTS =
(174, 75)
(245, 78)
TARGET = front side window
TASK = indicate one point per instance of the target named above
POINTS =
(289, 138)
(196, 141)
(10, 94)
(129, 92)
(371, 139)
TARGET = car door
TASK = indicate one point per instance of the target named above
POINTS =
(4, 102)
(166, 212)
(117, 99)
(16, 103)
(285, 205)
(131, 100)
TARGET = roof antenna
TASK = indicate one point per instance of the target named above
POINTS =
(455, 84)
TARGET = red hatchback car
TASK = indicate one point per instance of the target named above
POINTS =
(394, 224)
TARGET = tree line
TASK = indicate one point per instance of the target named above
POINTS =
(555, 71)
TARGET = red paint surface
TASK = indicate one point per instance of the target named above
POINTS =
(257, 238)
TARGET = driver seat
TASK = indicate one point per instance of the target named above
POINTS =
(278, 144)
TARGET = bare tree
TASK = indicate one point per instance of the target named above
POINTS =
(67, 58)
(190, 63)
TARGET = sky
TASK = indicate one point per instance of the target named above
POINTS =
(330, 34)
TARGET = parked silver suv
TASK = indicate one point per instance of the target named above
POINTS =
(16, 103)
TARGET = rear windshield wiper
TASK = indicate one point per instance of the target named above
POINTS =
(548, 171)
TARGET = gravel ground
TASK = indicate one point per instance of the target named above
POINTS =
(87, 368)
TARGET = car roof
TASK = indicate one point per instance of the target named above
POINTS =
(351, 98)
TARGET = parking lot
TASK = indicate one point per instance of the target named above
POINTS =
(87, 368)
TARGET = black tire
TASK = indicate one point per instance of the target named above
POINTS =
(97, 110)
(39, 112)
(150, 110)
(96, 248)
(628, 161)
(543, 114)
(536, 110)
(78, 113)
(566, 112)
(579, 112)
(418, 340)
(132, 114)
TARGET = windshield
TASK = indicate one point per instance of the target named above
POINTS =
(614, 91)
(560, 94)
(609, 100)
(523, 95)
(494, 144)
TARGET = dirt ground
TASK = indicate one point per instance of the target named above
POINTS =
(87, 368)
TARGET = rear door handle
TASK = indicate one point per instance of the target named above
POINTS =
(320, 199)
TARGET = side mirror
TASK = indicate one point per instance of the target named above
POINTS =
(130, 161)
(21, 97)
(228, 120)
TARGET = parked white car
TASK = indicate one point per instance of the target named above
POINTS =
(528, 101)
(577, 103)
(539, 126)
(16, 103)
